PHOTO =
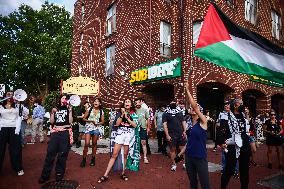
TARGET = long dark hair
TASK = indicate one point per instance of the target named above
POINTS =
(58, 104)
(100, 100)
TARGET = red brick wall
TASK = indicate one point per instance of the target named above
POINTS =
(137, 44)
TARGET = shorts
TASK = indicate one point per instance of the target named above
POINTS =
(251, 139)
(94, 132)
(124, 137)
(177, 141)
(143, 134)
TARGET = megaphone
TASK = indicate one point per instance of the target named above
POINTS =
(20, 95)
(74, 100)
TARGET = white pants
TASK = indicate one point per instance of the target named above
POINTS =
(37, 125)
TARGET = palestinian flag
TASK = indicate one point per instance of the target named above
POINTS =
(225, 44)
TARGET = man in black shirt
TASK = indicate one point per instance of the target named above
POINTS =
(175, 128)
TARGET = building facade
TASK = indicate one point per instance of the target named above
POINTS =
(121, 43)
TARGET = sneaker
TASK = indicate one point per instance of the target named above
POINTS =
(146, 161)
(183, 165)
(174, 167)
(58, 177)
(21, 173)
(214, 150)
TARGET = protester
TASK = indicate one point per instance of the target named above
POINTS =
(221, 125)
(10, 126)
(196, 153)
(126, 123)
(37, 124)
(252, 136)
(24, 113)
(145, 106)
(235, 141)
(61, 138)
(273, 129)
(175, 128)
(94, 119)
(143, 120)
(158, 122)
(80, 117)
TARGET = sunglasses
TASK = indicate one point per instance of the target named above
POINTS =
(273, 114)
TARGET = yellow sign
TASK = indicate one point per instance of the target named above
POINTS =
(80, 86)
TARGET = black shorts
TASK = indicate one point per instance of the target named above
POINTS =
(143, 134)
(177, 141)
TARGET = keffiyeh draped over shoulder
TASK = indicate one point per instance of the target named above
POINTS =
(234, 127)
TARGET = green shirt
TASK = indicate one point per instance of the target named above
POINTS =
(143, 116)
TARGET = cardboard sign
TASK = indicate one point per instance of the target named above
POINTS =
(2, 90)
(80, 86)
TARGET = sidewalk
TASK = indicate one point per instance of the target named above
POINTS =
(155, 175)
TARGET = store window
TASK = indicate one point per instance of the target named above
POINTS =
(83, 10)
(81, 42)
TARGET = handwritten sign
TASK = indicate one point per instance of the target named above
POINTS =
(80, 86)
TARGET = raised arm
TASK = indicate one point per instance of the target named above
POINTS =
(203, 120)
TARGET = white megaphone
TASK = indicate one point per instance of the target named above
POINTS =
(20, 95)
(74, 100)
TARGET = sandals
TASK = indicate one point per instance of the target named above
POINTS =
(102, 179)
(124, 177)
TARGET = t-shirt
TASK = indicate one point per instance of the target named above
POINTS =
(143, 116)
(61, 117)
(174, 123)
(158, 117)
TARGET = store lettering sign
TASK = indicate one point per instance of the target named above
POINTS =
(164, 70)
(265, 81)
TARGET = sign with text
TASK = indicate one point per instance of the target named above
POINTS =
(164, 70)
(265, 81)
(2, 90)
(80, 86)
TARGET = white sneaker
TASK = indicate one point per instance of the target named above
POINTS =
(21, 173)
(174, 167)
(146, 161)
(183, 165)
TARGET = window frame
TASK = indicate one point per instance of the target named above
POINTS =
(111, 20)
(165, 45)
(251, 10)
(276, 27)
(110, 59)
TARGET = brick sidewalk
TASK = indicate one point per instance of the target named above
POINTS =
(155, 175)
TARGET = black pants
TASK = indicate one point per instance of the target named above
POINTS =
(7, 135)
(58, 145)
(76, 134)
(231, 161)
(194, 167)
(162, 141)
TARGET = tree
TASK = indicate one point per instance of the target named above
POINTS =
(35, 48)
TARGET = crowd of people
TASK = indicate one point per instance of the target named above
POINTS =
(181, 133)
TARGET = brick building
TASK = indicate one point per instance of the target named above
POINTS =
(114, 39)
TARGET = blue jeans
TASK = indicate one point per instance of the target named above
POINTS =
(23, 132)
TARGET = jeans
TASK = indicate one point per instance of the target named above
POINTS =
(223, 160)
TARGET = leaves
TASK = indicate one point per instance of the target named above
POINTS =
(35, 48)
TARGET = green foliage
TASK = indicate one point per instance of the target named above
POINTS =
(35, 48)
(51, 100)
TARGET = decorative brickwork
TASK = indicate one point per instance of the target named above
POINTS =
(137, 44)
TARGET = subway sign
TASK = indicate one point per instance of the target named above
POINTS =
(265, 81)
(164, 70)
